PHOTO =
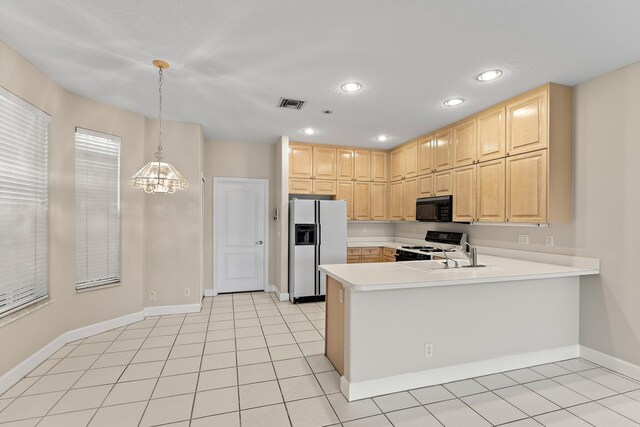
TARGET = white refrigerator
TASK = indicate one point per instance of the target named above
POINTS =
(317, 235)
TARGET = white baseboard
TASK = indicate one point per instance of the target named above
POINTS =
(14, 375)
(364, 389)
(210, 293)
(282, 296)
(610, 362)
(163, 310)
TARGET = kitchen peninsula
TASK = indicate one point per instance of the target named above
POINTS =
(403, 325)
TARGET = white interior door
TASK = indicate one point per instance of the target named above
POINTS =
(240, 232)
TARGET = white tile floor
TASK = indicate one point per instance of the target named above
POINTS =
(250, 360)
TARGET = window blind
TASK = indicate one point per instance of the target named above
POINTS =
(97, 209)
(24, 137)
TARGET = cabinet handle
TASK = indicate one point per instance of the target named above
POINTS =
(507, 154)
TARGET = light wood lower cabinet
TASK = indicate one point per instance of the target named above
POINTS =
(526, 183)
(300, 186)
(344, 191)
(379, 204)
(362, 201)
(464, 194)
(442, 183)
(334, 348)
(370, 254)
(490, 205)
(322, 187)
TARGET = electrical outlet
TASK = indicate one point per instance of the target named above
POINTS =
(428, 350)
(523, 239)
(187, 292)
(152, 296)
(549, 240)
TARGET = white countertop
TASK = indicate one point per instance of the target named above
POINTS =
(416, 274)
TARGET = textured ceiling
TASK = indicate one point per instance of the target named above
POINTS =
(231, 60)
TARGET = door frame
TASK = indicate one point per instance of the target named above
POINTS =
(215, 209)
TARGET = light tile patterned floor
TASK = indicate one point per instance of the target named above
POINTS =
(248, 359)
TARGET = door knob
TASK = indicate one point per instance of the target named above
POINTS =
(259, 242)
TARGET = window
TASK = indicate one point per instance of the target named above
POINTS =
(97, 209)
(24, 137)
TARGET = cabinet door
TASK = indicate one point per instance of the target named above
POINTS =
(527, 124)
(379, 197)
(300, 186)
(464, 194)
(410, 194)
(442, 183)
(491, 130)
(362, 165)
(396, 201)
(354, 259)
(362, 201)
(425, 185)
(527, 187)
(425, 155)
(464, 143)
(344, 169)
(411, 159)
(490, 177)
(344, 191)
(442, 146)
(300, 161)
(379, 166)
(324, 187)
(324, 163)
(398, 164)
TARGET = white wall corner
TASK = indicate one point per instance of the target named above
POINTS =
(282, 296)
(610, 362)
(209, 292)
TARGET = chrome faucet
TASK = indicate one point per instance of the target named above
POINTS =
(472, 254)
(447, 260)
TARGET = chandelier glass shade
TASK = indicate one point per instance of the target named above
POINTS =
(157, 176)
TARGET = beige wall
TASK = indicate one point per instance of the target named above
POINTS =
(70, 309)
(237, 160)
(606, 213)
(172, 221)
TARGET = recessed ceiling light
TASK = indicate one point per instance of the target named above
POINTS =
(309, 131)
(351, 87)
(489, 75)
(382, 138)
(453, 101)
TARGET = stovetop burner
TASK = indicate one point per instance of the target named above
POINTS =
(427, 249)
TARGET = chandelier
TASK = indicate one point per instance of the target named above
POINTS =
(158, 176)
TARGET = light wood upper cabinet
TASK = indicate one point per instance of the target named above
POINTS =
(397, 161)
(490, 205)
(344, 191)
(362, 201)
(491, 131)
(442, 183)
(410, 195)
(425, 155)
(362, 168)
(464, 143)
(324, 162)
(442, 148)
(300, 161)
(300, 186)
(527, 123)
(464, 194)
(411, 159)
(345, 164)
(526, 195)
(324, 187)
(379, 166)
(379, 197)
(425, 186)
(396, 200)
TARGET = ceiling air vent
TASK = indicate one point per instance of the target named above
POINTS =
(291, 103)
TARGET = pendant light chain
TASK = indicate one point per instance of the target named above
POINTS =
(160, 111)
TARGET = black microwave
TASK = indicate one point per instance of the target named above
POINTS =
(434, 209)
